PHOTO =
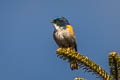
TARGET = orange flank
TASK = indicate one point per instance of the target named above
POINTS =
(69, 28)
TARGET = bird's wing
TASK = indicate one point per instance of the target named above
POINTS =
(71, 39)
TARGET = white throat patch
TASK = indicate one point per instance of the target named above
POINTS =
(57, 27)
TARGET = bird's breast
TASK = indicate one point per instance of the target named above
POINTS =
(59, 35)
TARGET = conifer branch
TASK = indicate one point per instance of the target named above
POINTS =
(114, 63)
(77, 78)
(85, 63)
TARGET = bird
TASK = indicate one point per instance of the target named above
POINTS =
(64, 37)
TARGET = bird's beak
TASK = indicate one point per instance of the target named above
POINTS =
(52, 21)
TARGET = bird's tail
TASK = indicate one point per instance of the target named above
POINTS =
(74, 65)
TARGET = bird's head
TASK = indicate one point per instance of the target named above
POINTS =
(60, 22)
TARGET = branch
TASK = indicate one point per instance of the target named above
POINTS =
(114, 63)
(77, 78)
(85, 63)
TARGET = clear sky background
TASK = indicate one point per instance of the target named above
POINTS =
(27, 48)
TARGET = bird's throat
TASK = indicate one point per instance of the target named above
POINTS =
(57, 28)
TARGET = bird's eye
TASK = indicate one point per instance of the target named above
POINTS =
(61, 20)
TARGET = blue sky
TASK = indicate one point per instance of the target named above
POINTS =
(27, 48)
